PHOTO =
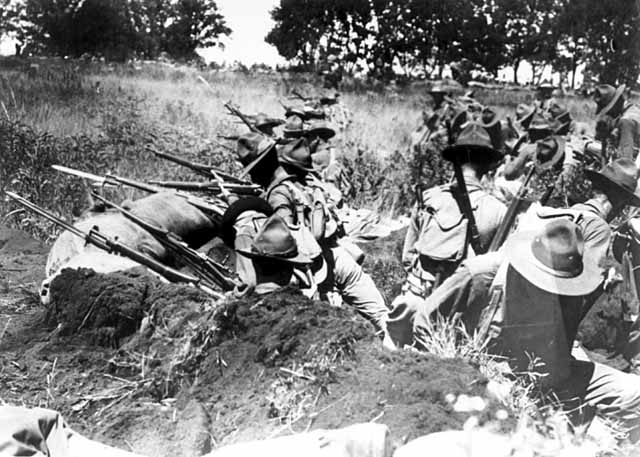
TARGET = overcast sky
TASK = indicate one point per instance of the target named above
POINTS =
(250, 22)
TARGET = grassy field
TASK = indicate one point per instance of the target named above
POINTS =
(101, 118)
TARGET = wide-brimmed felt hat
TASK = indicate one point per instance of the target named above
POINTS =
(327, 99)
(274, 241)
(294, 110)
(545, 86)
(297, 154)
(554, 259)
(559, 112)
(561, 128)
(252, 148)
(619, 180)
(293, 127)
(524, 114)
(549, 152)
(491, 123)
(261, 120)
(321, 128)
(473, 144)
(313, 112)
(607, 96)
(235, 210)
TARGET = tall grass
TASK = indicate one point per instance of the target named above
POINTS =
(100, 118)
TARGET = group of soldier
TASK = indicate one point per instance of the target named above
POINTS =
(519, 267)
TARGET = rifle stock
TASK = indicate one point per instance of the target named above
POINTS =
(109, 245)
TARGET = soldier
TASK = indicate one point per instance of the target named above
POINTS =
(615, 114)
(286, 194)
(544, 93)
(438, 236)
(266, 124)
(528, 300)
(275, 255)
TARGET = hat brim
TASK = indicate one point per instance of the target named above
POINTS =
(298, 259)
(294, 133)
(270, 123)
(555, 158)
(246, 170)
(325, 133)
(296, 164)
(563, 129)
(525, 120)
(466, 151)
(600, 181)
(616, 96)
(521, 258)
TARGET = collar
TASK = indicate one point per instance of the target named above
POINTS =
(592, 206)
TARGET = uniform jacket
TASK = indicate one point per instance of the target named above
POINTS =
(441, 208)
(628, 126)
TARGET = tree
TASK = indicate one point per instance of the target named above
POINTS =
(121, 29)
(194, 24)
(528, 27)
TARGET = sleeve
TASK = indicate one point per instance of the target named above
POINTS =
(626, 142)
(409, 252)
(282, 203)
(597, 236)
(515, 167)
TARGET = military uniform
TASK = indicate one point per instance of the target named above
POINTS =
(524, 319)
(437, 239)
(628, 126)
(293, 201)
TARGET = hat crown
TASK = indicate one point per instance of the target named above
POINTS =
(251, 145)
(294, 122)
(558, 250)
(297, 153)
(538, 122)
(474, 134)
(275, 240)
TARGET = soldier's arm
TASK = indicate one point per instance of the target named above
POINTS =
(626, 133)
(283, 204)
(597, 237)
(515, 168)
(409, 252)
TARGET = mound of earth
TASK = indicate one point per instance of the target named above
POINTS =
(260, 366)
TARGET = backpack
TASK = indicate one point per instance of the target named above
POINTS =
(444, 233)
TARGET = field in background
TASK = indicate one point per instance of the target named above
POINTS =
(102, 118)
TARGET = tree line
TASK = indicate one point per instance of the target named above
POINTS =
(115, 29)
(384, 37)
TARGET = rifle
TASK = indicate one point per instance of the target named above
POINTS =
(200, 168)
(111, 246)
(510, 217)
(204, 267)
(214, 208)
(463, 200)
(239, 189)
(236, 112)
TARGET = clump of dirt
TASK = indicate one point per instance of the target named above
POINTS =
(283, 363)
(109, 307)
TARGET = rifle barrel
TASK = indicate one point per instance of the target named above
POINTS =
(109, 245)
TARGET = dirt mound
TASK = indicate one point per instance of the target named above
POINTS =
(263, 367)
(109, 307)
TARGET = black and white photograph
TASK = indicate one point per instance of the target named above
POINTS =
(320, 228)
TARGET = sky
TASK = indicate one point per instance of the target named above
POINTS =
(250, 22)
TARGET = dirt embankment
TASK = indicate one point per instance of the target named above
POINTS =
(164, 370)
